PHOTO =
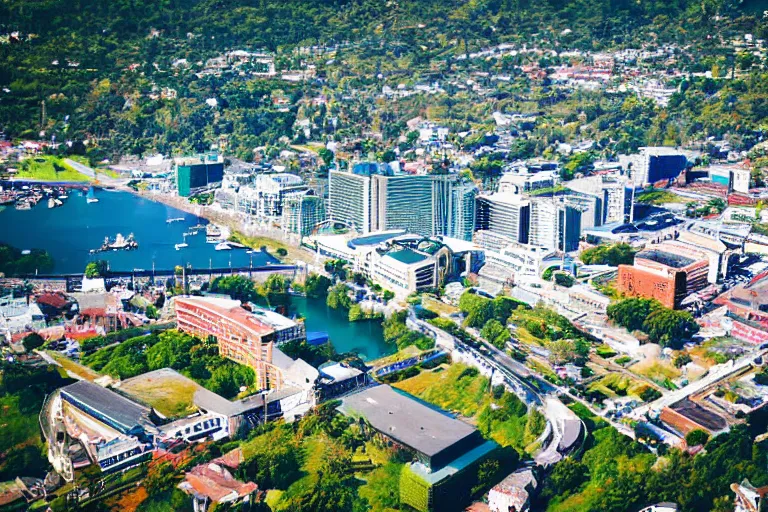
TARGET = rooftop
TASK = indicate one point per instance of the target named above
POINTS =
(666, 258)
(230, 309)
(406, 420)
(407, 256)
(125, 413)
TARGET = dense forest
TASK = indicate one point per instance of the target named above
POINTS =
(94, 65)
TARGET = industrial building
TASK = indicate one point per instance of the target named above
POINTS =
(196, 174)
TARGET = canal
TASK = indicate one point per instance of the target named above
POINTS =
(70, 231)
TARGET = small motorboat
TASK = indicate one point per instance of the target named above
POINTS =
(223, 246)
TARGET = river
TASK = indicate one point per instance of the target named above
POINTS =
(70, 231)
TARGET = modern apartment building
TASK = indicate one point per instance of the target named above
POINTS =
(302, 213)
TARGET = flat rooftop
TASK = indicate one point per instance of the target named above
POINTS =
(123, 412)
(666, 258)
(407, 256)
(406, 420)
(230, 309)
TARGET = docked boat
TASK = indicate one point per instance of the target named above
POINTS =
(23, 204)
(120, 243)
(51, 203)
(223, 246)
(91, 196)
(212, 231)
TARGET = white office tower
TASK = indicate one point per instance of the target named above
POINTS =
(505, 214)
(371, 197)
(553, 220)
(610, 191)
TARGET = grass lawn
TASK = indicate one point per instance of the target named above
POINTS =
(453, 389)
(614, 385)
(409, 351)
(437, 306)
(461, 389)
(659, 197)
(273, 497)
(656, 370)
(73, 367)
(257, 242)
(49, 169)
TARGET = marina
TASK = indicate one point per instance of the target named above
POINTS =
(79, 231)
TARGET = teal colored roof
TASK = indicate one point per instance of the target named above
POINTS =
(407, 256)
(455, 466)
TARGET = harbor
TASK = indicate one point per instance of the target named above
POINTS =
(86, 225)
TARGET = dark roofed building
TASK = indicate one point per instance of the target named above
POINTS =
(108, 407)
(436, 437)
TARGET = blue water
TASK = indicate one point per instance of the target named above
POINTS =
(70, 231)
(364, 338)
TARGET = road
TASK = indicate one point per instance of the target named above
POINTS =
(711, 378)
(82, 169)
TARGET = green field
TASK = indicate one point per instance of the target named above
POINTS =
(48, 168)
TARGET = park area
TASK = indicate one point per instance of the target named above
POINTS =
(48, 168)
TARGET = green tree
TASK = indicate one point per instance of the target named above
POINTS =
(496, 334)
(32, 341)
(696, 437)
(96, 269)
(238, 287)
(316, 285)
(338, 297)
(631, 313)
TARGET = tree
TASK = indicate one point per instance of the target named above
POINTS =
(682, 359)
(316, 285)
(152, 312)
(327, 156)
(495, 333)
(614, 255)
(32, 341)
(631, 313)
(696, 437)
(96, 269)
(668, 327)
(238, 287)
(566, 478)
(338, 297)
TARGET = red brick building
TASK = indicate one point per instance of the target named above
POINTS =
(239, 334)
(667, 272)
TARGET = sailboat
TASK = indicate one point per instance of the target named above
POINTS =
(91, 197)
(183, 244)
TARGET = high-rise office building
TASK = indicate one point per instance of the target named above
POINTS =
(555, 223)
(505, 214)
(373, 198)
(350, 195)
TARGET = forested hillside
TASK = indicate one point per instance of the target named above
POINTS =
(95, 63)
